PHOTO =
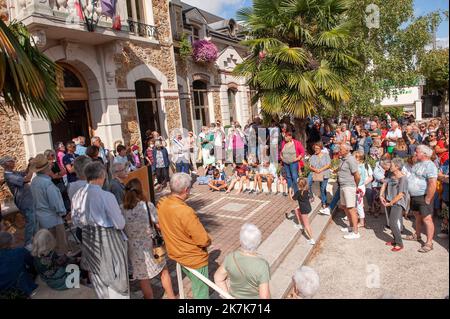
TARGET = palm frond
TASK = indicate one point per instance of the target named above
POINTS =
(28, 77)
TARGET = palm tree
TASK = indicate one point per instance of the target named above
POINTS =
(27, 77)
(299, 58)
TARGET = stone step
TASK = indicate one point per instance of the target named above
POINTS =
(281, 279)
(285, 247)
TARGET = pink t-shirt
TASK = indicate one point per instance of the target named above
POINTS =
(60, 156)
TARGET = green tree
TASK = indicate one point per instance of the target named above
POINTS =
(389, 53)
(27, 77)
(434, 66)
(300, 57)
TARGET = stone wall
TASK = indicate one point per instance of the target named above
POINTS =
(11, 143)
(158, 56)
(130, 125)
(173, 116)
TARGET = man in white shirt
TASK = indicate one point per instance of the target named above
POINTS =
(267, 172)
(180, 151)
(392, 136)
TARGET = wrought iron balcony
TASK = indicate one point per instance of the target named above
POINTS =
(143, 30)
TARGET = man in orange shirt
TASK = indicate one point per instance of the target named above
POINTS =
(185, 237)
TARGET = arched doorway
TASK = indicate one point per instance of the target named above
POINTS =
(201, 112)
(76, 121)
(147, 106)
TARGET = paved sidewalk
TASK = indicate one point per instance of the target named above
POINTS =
(347, 267)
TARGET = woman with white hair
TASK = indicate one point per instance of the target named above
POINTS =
(422, 187)
(104, 246)
(50, 266)
(393, 197)
(248, 272)
(306, 282)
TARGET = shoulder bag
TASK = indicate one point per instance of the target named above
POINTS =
(317, 177)
(159, 247)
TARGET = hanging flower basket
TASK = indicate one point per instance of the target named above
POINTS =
(204, 51)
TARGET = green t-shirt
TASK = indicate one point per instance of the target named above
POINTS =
(255, 271)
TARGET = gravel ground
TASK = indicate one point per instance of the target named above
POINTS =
(366, 268)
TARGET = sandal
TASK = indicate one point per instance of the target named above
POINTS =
(426, 248)
(397, 248)
(412, 238)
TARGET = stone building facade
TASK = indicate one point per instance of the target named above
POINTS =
(117, 82)
(209, 92)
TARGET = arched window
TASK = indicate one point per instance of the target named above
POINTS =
(147, 105)
(201, 113)
(232, 104)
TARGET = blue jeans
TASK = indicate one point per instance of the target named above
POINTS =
(182, 167)
(292, 175)
(30, 224)
(336, 198)
(323, 188)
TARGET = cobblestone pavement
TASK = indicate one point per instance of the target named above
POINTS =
(366, 268)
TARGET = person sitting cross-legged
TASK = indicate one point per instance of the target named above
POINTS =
(240, 175)
(266, 173)
(218, 182)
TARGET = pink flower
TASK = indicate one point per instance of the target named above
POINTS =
(262, 55)
(204, 51)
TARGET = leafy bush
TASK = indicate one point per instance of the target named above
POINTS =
(185, 47)
(204, 51)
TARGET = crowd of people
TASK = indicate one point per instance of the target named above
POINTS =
(395, 167)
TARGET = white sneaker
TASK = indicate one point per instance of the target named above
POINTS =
(298, 226)
(325, 211)
(345, 230)
(311, 241)
(352, 236)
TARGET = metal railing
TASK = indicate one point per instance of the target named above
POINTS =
(205, 280)
(142, 29)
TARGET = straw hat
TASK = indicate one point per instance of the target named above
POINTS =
(39, 163)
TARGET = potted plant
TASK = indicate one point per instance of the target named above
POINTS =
(204, 52)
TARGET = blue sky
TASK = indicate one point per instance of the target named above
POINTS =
(228, 8)
(422, 7)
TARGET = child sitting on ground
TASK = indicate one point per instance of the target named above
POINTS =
(218, 182)
(240, 175)
(302, 196)
(209, 171)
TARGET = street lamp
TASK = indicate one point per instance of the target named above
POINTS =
(91, 12)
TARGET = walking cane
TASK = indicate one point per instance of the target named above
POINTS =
(387, 216)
